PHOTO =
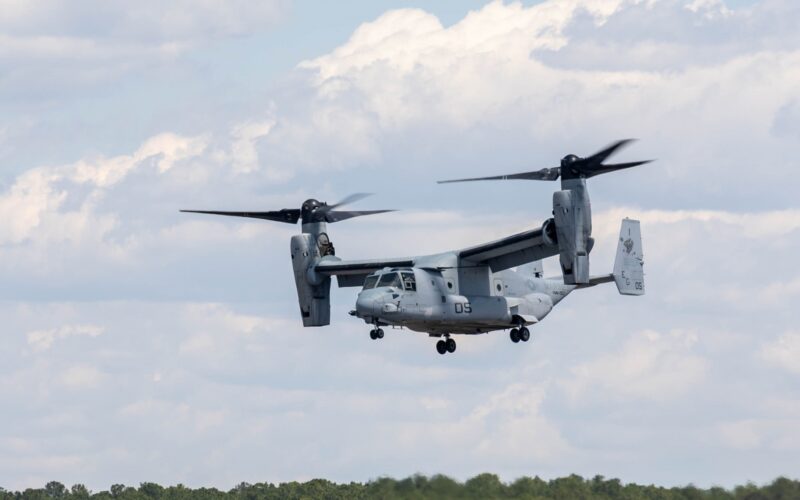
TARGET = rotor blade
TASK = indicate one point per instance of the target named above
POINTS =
(347, 199)
(340, 215)
(545, 174)
(611, 167)
(287, 215)
(600, 156)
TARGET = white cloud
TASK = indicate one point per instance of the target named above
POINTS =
(511, 425)
(783, 352)
(508, 85)
(650, 365)
(141, 21)
(408, 72)
(508, 429)
(752, 225)
(61, 51)
(411, 42)
(22, 205)
(243, 149)
(205, 420)
(30, 208)
(406, 68)
(162, 150)
(81, 377)
(774, 434)
(42, 340)
(709, 8)
(742, 435)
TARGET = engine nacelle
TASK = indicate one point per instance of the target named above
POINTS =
(549, 233)
(573, 229)
(313, 290)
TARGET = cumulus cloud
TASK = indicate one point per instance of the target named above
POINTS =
(407, 71)
(740, 435)
(783, 352)
(128, 19)
(752, 435)
(54, 50)
(77, 203)
(752, 225)
(200, 334)
(511, 425)
(33, 201)
(266, 380)
(81, 377)
(42, 340)
(243, 149)
(651, 365)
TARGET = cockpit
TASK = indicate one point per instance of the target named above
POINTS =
(403, 280)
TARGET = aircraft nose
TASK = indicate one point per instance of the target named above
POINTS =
(365, 304)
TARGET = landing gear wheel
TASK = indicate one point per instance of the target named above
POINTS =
(379, 333)
(441, 347)
(373, 334)
(524, 334)
(451, 345)
(514, 335)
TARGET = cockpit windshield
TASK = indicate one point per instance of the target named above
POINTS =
(370, 281)
(390, 279)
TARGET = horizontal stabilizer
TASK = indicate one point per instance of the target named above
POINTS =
(597, 280)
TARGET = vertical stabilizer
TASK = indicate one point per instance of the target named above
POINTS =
(629, 262)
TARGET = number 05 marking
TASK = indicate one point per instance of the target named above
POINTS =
(465, 308)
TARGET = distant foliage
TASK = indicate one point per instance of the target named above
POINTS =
(482, 486)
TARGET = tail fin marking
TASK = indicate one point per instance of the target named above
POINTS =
(629, 261)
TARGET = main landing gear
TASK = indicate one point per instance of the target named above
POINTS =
(376, 333)
(446, 345)
(522, 334)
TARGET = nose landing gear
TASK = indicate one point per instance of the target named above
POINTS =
(376, 333)
(446, 345)
(522, 334)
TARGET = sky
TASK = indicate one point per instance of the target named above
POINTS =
(141, 344)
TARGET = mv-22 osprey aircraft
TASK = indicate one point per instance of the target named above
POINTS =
(469, 291)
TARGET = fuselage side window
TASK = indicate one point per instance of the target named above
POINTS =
(390, 279)
(370, 282)
(409, 282)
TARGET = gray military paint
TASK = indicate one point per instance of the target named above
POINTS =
(474, 305)
(470, 291)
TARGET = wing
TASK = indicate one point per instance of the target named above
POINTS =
(511, 251)
(502, 254)
(353, 272)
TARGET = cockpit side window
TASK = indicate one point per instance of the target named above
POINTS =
(325, 245)
(390, 279)
(370, 281)
(409, 282)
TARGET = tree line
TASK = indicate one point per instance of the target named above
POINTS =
(418, 487)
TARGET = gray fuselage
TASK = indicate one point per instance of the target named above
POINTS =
(425, 300)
